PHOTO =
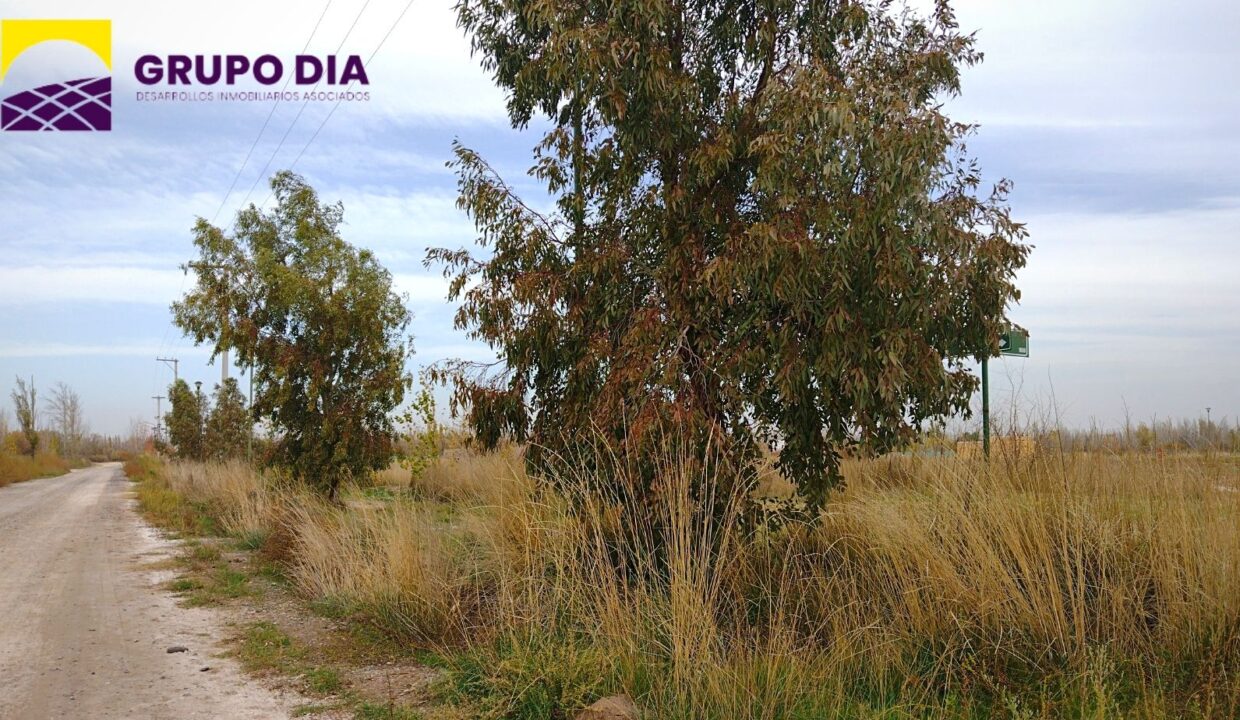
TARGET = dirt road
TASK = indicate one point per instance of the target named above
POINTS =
(84, 626)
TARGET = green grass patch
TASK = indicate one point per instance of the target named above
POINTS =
(183, 585)
(371, 711)
(265, 647)
(205, 553)
(529, 675)
(218, 584)
(323, 680)
(166, 508)
(333, 608)
(311, 709)
(252, 540)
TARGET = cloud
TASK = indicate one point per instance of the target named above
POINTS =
(421, 288)
(71, 350)
(59, 284)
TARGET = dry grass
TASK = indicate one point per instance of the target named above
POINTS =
(18, 468)
(1062, 586)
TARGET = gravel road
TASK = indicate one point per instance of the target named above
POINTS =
(84, 625)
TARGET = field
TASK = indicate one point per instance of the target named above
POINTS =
(1064, 585)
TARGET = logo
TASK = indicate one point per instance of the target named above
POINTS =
(75, 104)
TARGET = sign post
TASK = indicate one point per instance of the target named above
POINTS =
(1015, 342)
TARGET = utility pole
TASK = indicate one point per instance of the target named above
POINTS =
(159, 415)
(172, 363)
(249, 450)
(223, 313)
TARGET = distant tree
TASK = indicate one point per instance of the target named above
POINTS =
(185, 421)
(26, 409)
(318, 321)
(424, 438)
(65, 408)
(767, 231)
(229, 424)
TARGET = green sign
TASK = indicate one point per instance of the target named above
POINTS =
(1015, 341)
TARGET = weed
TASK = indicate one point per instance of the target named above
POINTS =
(323, 680)
(369, 711)
(265, 647)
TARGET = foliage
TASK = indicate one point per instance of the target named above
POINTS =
(229, 424)
(424, 436)
(767, 231)
(26, 408)
(185, 420)
(318, 321)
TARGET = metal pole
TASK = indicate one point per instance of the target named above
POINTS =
(158, 414)
(174, 363)
(985, 409)
(250, 408)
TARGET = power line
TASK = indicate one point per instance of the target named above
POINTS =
(164, 340)
(267, 122)
(341, 98)
(263, 173)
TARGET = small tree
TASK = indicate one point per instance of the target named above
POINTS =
(424, 436)
(185, 421)
(26, 408)
(319, 323)
(229, 424)
(65, 407)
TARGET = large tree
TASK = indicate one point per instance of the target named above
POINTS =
(317, 320)
(766, 230)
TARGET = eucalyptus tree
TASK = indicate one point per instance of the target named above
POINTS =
(766, 230)
(317, 320)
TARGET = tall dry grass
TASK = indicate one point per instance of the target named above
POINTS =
(1062, 586)
(15, 467)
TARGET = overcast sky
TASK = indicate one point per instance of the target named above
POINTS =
(1115, 120)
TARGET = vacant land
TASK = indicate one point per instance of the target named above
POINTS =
(87, 628)
(1082, 585)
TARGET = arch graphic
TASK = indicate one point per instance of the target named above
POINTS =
(76, 104)
(18, 36)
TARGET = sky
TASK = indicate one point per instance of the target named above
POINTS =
(1116, 122)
